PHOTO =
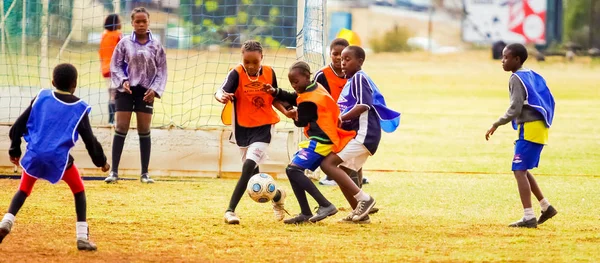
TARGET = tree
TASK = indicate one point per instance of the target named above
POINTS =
(579, 25)
(230, 22)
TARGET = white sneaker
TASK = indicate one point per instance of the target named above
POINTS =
(145, 179)
(327, 182)
(5, 227)
(231, 218)
(112, 178)
(278, 207)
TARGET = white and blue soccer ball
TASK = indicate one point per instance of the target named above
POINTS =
(261, 188)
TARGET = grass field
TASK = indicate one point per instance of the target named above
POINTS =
(449, 198)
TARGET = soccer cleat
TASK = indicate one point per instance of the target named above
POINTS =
(231, 218)
(5, 227)
(278, 207)
(549, 213)
(112, 178)
(348, 220)
(85, 245)
(298, 219)
(324, 212)
(145, 178)
(531, 223)
(362, 209)
(327, 182)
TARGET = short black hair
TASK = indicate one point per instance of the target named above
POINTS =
(301, 65)
(252, 45)
(518, 50)
(358, 52)
(338, 42)
(111, 22)
(63, 76)
(140, 9)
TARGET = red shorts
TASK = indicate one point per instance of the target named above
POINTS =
(71, 177)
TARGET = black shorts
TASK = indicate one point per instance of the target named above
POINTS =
(134, 101)
(246, 136)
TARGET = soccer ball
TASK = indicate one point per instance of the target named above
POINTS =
(261, 188)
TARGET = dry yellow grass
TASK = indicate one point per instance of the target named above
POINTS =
(430, 210)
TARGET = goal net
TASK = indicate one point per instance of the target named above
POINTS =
(201, 37)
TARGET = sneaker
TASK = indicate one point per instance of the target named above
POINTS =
(531, 223)
(363, 208)
(278, 207)
(549, 213)
(5, 227)
(112, 178)
(231, 218)
(145, 178)
(299, 219)
(348, 220)
(327, 182)
(86, 245)
(324, 212)
(373, 210)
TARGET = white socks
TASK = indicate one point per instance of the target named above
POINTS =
(9, 217)
(544, 204)
(362, 196)
(82, 230)
(528, 214)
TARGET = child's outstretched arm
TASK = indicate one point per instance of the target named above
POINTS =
(226, 92)
(517, 100)
(289, 111)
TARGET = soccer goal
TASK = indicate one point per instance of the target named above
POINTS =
(202, 40)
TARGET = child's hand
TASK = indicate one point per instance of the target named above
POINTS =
(490, 132)
(224, 97)
(126, 86)
(106, 167)
(292, 114)
(149, 96)
(269, 89)
(15, 160)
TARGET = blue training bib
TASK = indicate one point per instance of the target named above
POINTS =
(51, 133)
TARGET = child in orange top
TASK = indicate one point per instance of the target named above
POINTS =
(110, 39)
(254, 119)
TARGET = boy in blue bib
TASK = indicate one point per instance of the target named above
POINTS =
(51, 125)
(363, 110)
(531, 112)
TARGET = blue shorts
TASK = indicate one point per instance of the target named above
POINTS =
(527, 155)
(311, 154)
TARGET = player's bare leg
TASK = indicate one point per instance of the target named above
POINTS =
(528, 219)
(548, 211)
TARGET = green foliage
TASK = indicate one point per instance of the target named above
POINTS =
(234, 21)
(394, 40)
(578, 21)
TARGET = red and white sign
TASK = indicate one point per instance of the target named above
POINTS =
(522, 21)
